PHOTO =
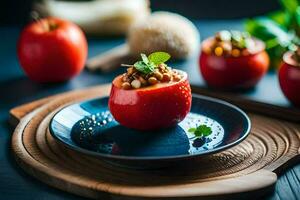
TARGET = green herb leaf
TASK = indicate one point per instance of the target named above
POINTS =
(148, 64)
(192, 130)
(280, 30)
(144, 58)
(201, 130)
(198, 133)
(297, 16)
(276, 37)
(159, 57)
(205, 130)
(267, 29)
(280, 17)
(290, 5)
(144, 68)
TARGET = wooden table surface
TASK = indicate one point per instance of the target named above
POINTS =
(17, 89)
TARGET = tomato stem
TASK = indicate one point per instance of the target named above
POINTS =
(48, 25)
(36, 17)
(52, 25)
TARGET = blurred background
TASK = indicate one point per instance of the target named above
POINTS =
(16, 12)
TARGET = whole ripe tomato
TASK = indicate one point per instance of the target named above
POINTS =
(289, 78)
(228, 72)
(52, 50)
(154, 107)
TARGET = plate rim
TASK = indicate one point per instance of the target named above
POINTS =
(148, 158)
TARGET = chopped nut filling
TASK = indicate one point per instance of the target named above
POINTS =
(231, 43)
(134, 79)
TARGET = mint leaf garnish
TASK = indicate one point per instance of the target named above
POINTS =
(201, 130)
(148, 64)
(159, 57)
(144, 68)
(144, 58)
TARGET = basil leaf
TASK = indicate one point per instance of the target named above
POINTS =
(159, 57)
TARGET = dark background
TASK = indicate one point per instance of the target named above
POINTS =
(14, 12)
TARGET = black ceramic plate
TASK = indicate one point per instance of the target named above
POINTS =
(88, 127)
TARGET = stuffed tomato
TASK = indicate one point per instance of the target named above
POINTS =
(289, 76)
(150, 95)
(233, 60)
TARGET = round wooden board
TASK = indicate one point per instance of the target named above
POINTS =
(245, 168)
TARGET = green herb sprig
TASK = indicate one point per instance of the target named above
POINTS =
(201, 131)
(280, 30)
(148, 64)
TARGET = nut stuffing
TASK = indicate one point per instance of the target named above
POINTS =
(150, 71)
(231, 43)
(134, 79)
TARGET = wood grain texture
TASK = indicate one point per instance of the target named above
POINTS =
(16, 114)
(243, 169)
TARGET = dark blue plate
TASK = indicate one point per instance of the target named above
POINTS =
(88, 127)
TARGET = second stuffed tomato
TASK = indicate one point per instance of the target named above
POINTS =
(150, 99)
(233, 60)
(289, 76)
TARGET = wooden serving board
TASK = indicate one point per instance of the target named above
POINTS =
(248, 169)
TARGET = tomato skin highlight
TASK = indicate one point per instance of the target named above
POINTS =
(289, 80)
(241, 72)
(151, 108)
(52, 54)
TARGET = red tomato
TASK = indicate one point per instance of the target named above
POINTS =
(52, 50)
(289, 79)
(159, 106)
(241, 72)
